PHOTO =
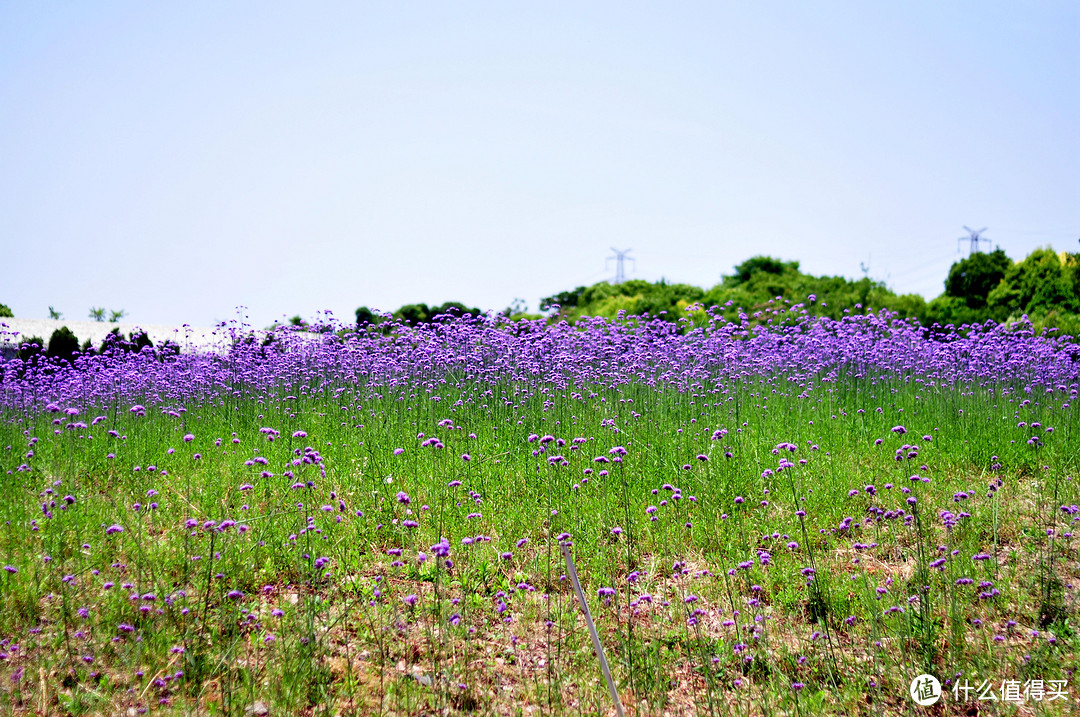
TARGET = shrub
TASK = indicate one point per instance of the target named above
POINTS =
(168, 349)
(63, 344)
(31, 347)
(364, 315)
(139, 341)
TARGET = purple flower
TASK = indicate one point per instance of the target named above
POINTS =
(189, 438)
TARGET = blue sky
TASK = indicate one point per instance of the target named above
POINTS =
(179, 160)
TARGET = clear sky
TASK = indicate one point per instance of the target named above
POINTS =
(178, 160)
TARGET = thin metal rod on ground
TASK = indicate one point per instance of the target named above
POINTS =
(592, 629)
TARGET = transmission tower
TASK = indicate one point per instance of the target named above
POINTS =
(620, 257)
(973, 237)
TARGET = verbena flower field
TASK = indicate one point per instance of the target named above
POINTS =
(792, 517)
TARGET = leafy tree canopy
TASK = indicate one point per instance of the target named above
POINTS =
(763, 265)
(63, 344)
(414, 314)
(1044, 282)
(972, 279)
(764, 289)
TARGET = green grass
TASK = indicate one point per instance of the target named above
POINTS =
(347, 642)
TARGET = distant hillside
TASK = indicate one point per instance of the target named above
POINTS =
(1045, 286)
(756, 284)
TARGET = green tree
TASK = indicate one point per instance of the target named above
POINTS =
(5, 312)
(115, 316)
(31, 347)
(139, 341)
(414, 314)
(168, 349)
(565, 299)
(763, 265)
(63, 344)
(364, 316)
(97, 313)
(54, 314)
(946, 309)
(454, 308)
(1039, 284)
(972, 279)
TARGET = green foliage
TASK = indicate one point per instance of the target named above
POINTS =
(364, 315)
(5, 312)
(972, 279)
(115, 316)
(97, 313)
(758, 265)
(455, 308)
(140, 341)
(755, 286)
(135, 342)
(636, 296)
(54, 314)
(414, 314)
(63, 344)
(954, 310)
(31, 347)
(763, 289)
(167, 349)
(565, 299)
(1036, 286)
(1057, 323)
(112, 340)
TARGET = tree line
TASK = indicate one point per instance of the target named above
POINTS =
(985, 286)
(1044, 286)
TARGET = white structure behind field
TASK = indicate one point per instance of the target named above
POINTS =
(14, 332)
